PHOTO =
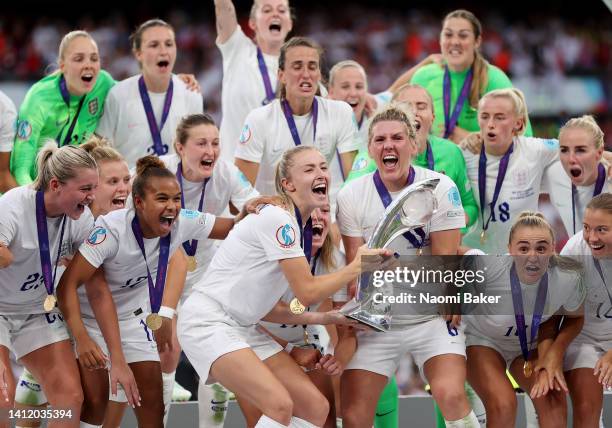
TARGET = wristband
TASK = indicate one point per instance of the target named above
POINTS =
(166, 312)
(289, 347)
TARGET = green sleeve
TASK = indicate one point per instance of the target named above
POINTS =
(362, 165)
(499, 80)
(30, 123)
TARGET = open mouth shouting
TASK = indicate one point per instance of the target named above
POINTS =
(87, 78)
(118, 202)
(597, 248)
(207, 164)
(166, 222)
(390, 161)
(275, 27)
(163, 65)
(306, 87)
(320, 189)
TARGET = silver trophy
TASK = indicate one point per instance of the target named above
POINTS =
(412, 209)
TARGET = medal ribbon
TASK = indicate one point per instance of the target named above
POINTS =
(601, 179)
(43, 242)
(305, 234)
(482, 183)
(156, 291)
(429, 157)
(158, 145)
(263, 70)
(386, 199)
(451, 121)
(66, 97)
(519, 313)
(291, 122)
(190, 247)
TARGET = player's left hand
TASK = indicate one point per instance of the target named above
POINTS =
(192, 83)
(552, 365)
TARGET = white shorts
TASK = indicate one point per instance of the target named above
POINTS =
(27, 333)
(584, 352)
(206, 332)
(137, 340)
(381, 352)
(509, 352)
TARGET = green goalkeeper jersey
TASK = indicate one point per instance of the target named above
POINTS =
(46, 115)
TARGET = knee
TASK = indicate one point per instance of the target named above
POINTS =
(94, 407)
(500, 406)
(448, 396)
(279, 407)
(316, 404)
(586, 409)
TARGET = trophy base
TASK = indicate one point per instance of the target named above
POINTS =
(379, 323)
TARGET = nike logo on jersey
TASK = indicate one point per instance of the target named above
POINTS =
(384, 414)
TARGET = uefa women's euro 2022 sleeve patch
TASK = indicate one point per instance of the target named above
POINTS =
(246, 134)
(96, 236)
(454, 197)
(286, 236)
(23, 129)
(190, 213)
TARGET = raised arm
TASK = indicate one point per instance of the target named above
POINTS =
(225, 13)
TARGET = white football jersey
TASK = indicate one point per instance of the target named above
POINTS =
(112, 244)
(245, 276)
(8, 116)
(520, 190)
(125, 123)
(21, 284)
(243, 87)
(227, 184)
(598, 304)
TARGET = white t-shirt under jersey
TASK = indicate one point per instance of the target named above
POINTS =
(266, 136)
(112, 244)
(598, 305)
(245, 276)
(22, 289)
(520, 190)
(565, 290)
(360, 208)
(125, 123)
(8, 115)
(226, 184)
(559, 187)
(243, 88)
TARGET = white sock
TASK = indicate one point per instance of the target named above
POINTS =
(601, 422)
(167, 386)
(476, 405)
(212, 405)
(468, 421)
(266, 422)
(300, 423)
(28, 391)
(531, 417)
(86, 425)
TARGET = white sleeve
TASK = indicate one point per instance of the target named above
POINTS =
(8, 116)
(277, 233)
(549, 151)
(577, 293)
(235, 48)
(346, 139)
(252, 142)
(241, 188)
(100, 246)
(195, 225)
(346, 216)
(108, 122)
(8, 223)
(196, 102)
(450, 214)
(81, 229)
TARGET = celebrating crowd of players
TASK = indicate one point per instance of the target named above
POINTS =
(114, 193)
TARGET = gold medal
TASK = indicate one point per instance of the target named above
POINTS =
(483, 237)
(306, 341)
(49, 303)
(296, 307)
(527, 369)
(192, 263)
(154, 321)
